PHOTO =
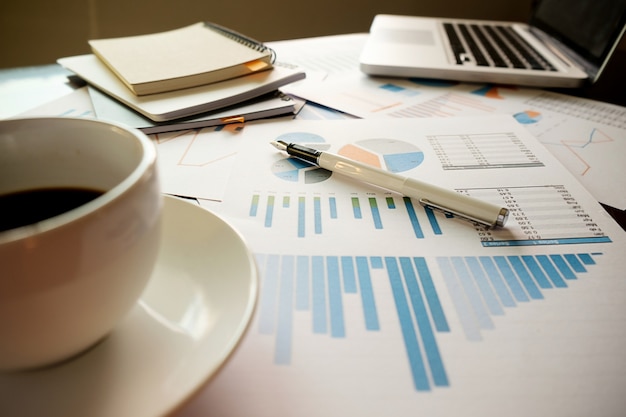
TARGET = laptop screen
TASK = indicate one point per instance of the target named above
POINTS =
(588, 27)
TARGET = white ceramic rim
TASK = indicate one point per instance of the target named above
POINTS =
(148, 159)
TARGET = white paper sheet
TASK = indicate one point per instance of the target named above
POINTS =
(371, 306)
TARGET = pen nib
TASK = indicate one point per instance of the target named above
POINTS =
(280, 145)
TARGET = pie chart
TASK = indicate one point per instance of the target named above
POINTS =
(295, 170)
(527, 117)
(389, 154)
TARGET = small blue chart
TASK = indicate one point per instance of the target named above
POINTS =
(527, 117)
(295, 170)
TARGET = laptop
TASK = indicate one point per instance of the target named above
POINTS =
(566, 43)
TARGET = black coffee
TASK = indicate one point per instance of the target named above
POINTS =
(32, 206)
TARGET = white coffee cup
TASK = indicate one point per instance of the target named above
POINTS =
(65, 282)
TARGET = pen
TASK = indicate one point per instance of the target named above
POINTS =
(428, 195)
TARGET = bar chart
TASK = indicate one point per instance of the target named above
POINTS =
(532, 214)
(318, 214)
(480, 288)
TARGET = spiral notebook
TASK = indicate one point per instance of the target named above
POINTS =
(195, 55)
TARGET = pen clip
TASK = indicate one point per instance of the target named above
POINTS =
(454, 213)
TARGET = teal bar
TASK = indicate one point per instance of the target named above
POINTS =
(319, 296)
(413, 350)
(498, 282)
(436, 311)
(367, 294)
(484, 286)
(553, 273)
(377, 262)
(535, 269)
(378, 224)
(417, 229)
(332, 202)
(284, 330)
(254, 205)
(269, 295)
(424, 328)
(269, 212)
(511, 278)
(356, 208)
(586, 259)
(575, 263)
(335, 302)
(525, 277)
(317, 215)
(302, 283)
(347, 270)
(563, 267)
(301, 216)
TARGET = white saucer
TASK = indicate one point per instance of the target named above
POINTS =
(190, 318)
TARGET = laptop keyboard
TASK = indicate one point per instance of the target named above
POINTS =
(493, 46)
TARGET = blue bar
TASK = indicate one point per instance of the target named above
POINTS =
(286, 201)
(525, 277)
(472, 294)
(563, 267)
(378, 224)
(302, 283)
(269, 213)
(356, 208)
(335, 303)
(347, 270)
(496, 280)
(282, 354)
(301, 213)
(367, 294)
(575, 263)
(423, 323)
(483, 285)
(436, 311)
(319, 296)
(269, 295)
(391, 204)
(552, 272)
(432, 220)
(376, 262)
(418, 369)
(317, 215)
(537, 272)
(254, 205)
(510, 278)
(586, 259)
(417, 229)
(332, 202)
(459, 300)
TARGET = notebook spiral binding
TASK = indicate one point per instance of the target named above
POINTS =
(243, 39)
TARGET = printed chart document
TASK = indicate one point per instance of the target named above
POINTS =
(372, 305)
(587, 136)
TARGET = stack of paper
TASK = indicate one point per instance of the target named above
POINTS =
(210, 93)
